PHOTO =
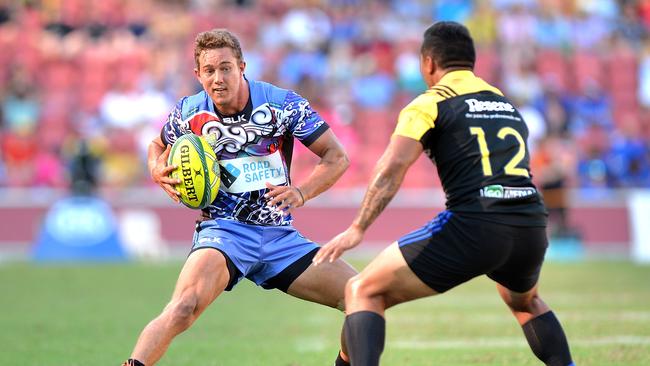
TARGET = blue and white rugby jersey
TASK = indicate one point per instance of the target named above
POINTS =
(253, 147)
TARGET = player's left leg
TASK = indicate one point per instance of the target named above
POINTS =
(288, 257)
(386, 281)
(323, 284)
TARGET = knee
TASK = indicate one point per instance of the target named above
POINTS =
(524, 304)
(357, 287)
(182, 311)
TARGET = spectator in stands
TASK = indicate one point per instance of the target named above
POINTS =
(3, 171)
(84, 168)
(592, 107)
(590, 31)
(534, 121)
(553, 165)
(20, 113)
(554, 106)
(643, 8)
(21, 107)
(629, 156)
(454, 10)
(482, 24)
(373, 88)
(516, 30)
(630, 26)
(553, 29)
(49, 170)
(644, 73)
(593, 170)
(523, 81)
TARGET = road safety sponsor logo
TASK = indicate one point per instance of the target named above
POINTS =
(251, 173)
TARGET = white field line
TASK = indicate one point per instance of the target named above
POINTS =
(622, 316)
(316, 344)
(519, 342)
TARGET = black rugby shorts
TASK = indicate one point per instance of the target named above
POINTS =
(454, 248)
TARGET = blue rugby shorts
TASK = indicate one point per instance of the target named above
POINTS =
(270, 256)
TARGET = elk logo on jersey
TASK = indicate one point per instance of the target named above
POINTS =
(233, 134)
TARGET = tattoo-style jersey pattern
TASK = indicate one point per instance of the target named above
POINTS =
(253, 147)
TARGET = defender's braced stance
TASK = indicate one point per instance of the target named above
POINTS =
(495, 219)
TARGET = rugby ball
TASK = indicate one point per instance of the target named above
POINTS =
(198, 171)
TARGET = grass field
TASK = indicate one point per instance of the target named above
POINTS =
(91, 315)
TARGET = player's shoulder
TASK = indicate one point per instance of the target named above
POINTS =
(265, 92)
(425, 100)
(191, 104)
(419, 115)
(425, 103)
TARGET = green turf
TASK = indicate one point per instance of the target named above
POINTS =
(91, 315)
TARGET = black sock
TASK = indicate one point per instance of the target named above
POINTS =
(547, 340)
(133, 362)
(339, 361)
(364, 334)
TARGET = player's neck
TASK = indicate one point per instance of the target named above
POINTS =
(440, 73)
(238, 105)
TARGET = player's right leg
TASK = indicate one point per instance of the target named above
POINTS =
(517, 284)
(385, 282)
(542, 329)
(204, 276)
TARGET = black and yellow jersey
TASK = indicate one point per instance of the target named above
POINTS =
(477, 139)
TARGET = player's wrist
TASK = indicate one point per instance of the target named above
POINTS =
(302, 195)
(358, 227)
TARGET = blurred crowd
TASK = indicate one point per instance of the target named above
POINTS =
(101, 77)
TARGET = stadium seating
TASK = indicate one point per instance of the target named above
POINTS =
(73, 53)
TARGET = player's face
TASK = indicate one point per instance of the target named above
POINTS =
(221, 75)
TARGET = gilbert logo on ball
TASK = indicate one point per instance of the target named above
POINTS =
(198, 171)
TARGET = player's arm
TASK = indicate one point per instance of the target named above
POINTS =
(388, 175)
(333, 163)
(157, 156)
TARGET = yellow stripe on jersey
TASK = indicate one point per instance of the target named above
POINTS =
(465, 82)
(420, 115)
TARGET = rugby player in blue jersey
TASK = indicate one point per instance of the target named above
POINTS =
(246, 231)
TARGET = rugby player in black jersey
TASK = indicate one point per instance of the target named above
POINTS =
(495, 219)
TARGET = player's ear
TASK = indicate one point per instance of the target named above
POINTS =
(430, 65)
(427, 65)
(197, 74)
(242, 66)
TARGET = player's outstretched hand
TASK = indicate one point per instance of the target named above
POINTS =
(160, 175)
(283, 198)
(331, 251)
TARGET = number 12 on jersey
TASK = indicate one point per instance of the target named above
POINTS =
(511, 167)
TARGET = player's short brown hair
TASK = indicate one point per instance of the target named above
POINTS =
(216, 38)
